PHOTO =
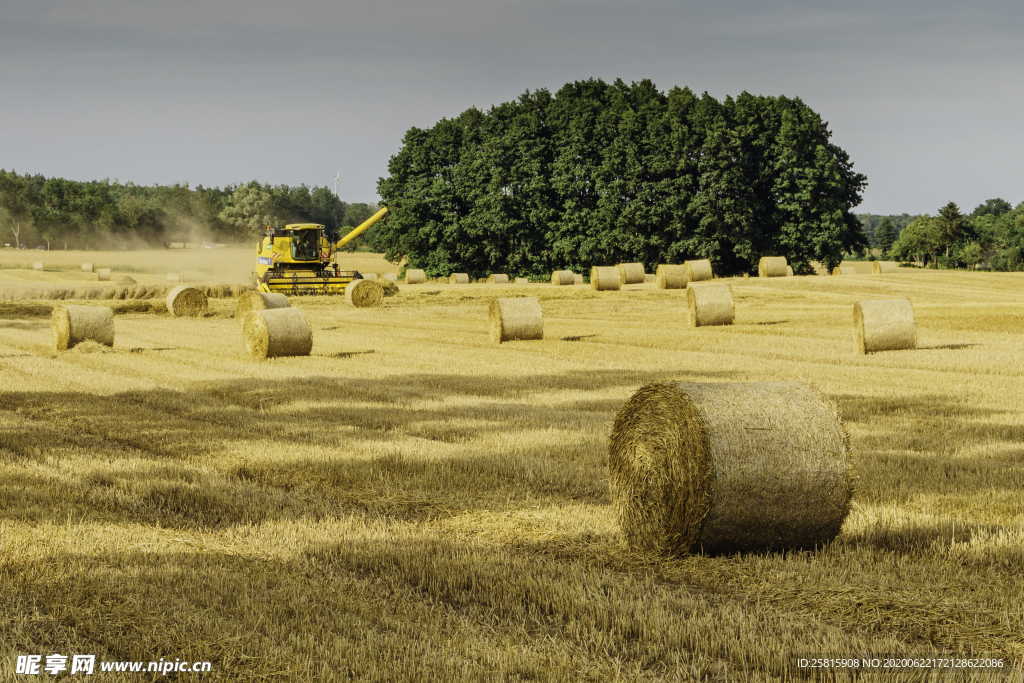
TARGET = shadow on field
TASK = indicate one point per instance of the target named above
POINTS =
(916, 538)
(410, 447)
(947, 347)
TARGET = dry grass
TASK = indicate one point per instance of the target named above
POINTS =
(412, 502)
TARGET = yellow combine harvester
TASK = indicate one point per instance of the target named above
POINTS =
(298, 259)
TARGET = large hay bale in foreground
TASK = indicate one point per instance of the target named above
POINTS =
(563, 277)
(415, 276)
(605, 278)
(668, 276)
(710, 305)
(38, 265)
(516, 318)
(884, 325)
(75, 324)
(364, 293)
(729, 467)
(103, 274)
(698, 270)
(772, 266)
(631, 273)
(277, 332)
(186, 301)
(879, 267)
(87, 267)
(253, 300)
(497, 279)
(458, 279)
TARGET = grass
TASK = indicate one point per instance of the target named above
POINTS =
(412, 502)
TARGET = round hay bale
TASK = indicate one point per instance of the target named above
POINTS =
(75, 324)
(772, 266)
(789, 271)
(884, 325)
(668, 276)
(186, 301)
(364, 293)
(458, 279)
(729, 467)
(516, 318)
(710, 305)
(563, 277)
(577, 278)
(252, 300)
(125, 280)
(38, 266)
(87, 268)
(497, 279)
(631, 273)
(277, 332)
(605, 278)
(522, 281)
(415, 276)
(698, 270)
(103, 274)
(390, 277)
(879, 267)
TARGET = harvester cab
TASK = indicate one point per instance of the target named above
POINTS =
(298, 259)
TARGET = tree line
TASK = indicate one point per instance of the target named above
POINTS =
(66, 214)
(990, 237)
(603, 173)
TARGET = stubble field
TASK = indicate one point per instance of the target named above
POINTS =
(412, 502)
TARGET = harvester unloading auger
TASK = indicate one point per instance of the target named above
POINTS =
(299, 259)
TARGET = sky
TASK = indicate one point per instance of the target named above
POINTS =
(926, 96)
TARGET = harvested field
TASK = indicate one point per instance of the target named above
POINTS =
(434, 506)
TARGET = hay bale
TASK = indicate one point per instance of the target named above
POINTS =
(772, 266)
(259, 301)
(458, 279)
(631, 273)
(415, 276)
(275, 332)
(522, 281)
(364, 293)
(577, 278)
(789, 271)
(38, 265)
(563, 277)
(698, 270)
(87, 268)
(103, 274)
(729, 467)
(390, 277)
(497, 279)
(73, 325)
(516, 318)
(668, 276)
(605, 278)
(844, 269)
(710, 305)
(186, 301)
(880, 267)
(884, 325)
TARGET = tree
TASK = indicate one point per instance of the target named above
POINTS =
(16, 204)
(953, 228)
(885, 235)
(250, 208)
(922, 240)
(992, 207)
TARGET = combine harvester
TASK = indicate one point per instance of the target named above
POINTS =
(298, 259)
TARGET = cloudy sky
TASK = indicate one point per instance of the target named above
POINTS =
(926, 96)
